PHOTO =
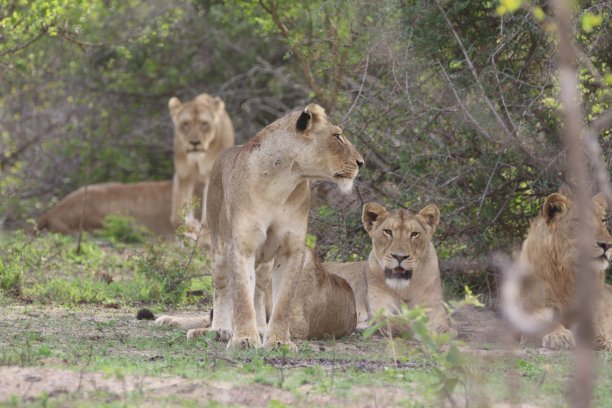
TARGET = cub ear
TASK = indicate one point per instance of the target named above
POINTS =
(173, 104)
(431, 213)
(370, 214)
(554, 205)
(219, 104)
(311, 114)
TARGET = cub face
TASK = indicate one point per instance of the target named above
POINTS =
(400, 239)
(328, 154)
(195, 123)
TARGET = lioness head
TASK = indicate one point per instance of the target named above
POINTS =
(195, 123)
(328, 154)
(560, 217)
(401, 239)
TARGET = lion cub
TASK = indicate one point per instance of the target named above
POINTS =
(539, 288)
(202, 130)
(402, 267)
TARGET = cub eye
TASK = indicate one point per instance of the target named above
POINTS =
(414, 234)
(338, 137)
(388, 232)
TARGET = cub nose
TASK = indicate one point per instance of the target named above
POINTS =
(195, 142)
(400, 258)
(604, 245)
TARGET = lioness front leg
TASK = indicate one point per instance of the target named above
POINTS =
(287, 267)
(222, 303)
(244, 323)
(263, 274)
(182, 191)
(559, 338)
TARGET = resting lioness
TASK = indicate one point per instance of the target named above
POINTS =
(540, 287)
(148, 202)
(257, 210)
(202, 130)
(323, 306)
(402, 267)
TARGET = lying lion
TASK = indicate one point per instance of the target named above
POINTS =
(323, 306)
(148, 202)
(402, 268)
(202, 130)
(540, 286)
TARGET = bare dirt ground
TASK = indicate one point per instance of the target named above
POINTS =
(65, 372)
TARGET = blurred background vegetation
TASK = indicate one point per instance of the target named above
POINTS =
(449, 102)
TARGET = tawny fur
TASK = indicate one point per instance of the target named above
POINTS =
(323, 305)
(405, 234)
(540, 286)
(257, 211)
(202, 130)
(148, 202)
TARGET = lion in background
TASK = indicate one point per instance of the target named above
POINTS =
(402, 268)
(202, 130)
(323, 306)
(148, 203)
(539, 289)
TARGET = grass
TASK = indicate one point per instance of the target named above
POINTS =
(70, 317)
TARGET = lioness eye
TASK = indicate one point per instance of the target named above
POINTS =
(414, 234)
(388, 232)
(185, 126)
(338, 137)
(204, 124)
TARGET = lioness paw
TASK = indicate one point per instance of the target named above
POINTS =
(559, 339)
(170, 321)
(244, 342)
(193, 333)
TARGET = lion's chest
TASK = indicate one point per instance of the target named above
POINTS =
(198, 164)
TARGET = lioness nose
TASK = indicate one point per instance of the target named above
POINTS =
(359, 163)
(604, 245)
(400, 258)
(195, 142)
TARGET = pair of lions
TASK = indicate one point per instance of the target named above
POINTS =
(202, 130)
(540, 288)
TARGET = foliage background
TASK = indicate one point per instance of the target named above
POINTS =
(449, 102)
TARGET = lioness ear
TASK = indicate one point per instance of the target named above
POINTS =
(219, 104)
(311, 114)
(173, 104)
(370, 214)
(554, 205)
(431, 215)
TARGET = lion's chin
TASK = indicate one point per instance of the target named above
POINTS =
(344, 184)
(398, 284)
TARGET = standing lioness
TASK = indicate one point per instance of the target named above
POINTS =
(202, 130)
(257, 210)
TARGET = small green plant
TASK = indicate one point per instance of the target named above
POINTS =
(124, 230)
(450, 367)
(12, 265)
(170, 270)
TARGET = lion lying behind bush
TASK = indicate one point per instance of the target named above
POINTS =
(148, 202)
(540, 287)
